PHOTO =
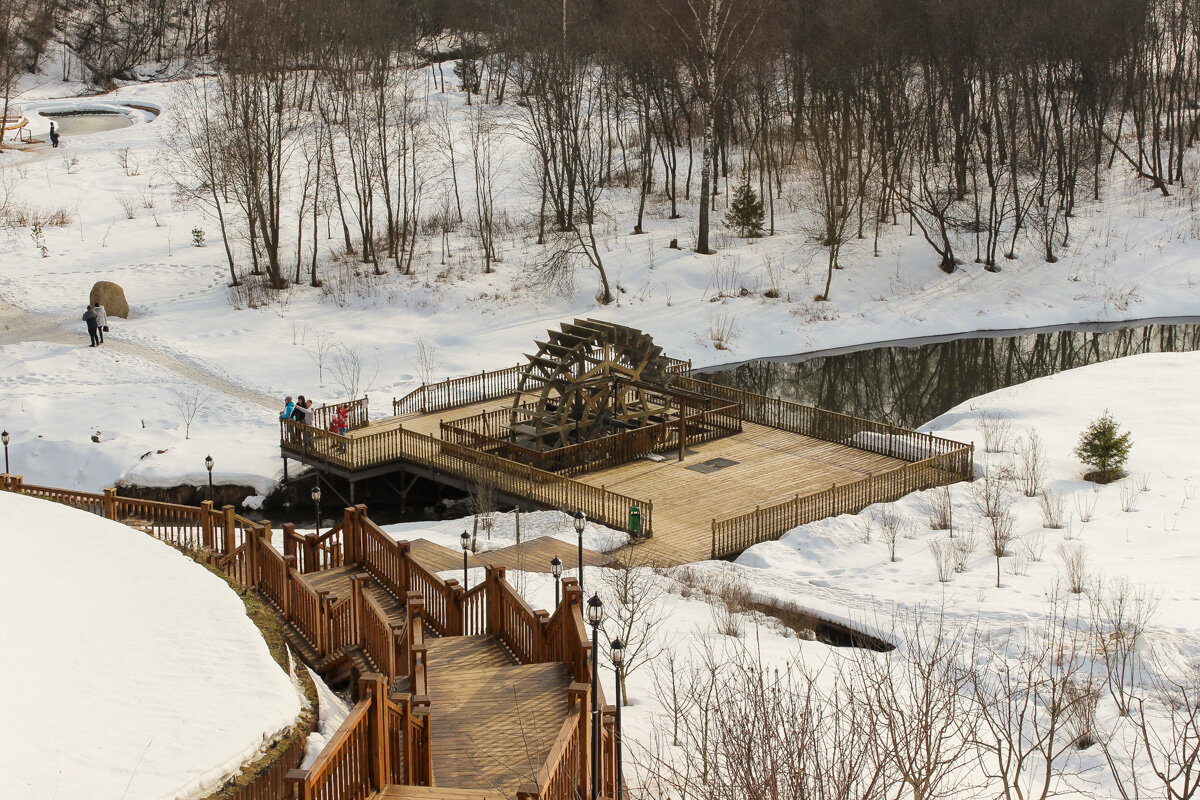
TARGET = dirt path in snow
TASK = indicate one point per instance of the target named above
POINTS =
(18, 325)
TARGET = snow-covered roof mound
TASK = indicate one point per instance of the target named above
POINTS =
(129, 670)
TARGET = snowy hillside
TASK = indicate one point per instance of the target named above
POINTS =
(1131, 255)
(130, 671)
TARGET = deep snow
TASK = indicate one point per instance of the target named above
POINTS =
(129, 670)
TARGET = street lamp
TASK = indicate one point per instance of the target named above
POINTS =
(556, 570)
(616, 654)
(4, 438)
(580, 522)
(465, 540)
(208, 464)
(595, 615)
(316, 498)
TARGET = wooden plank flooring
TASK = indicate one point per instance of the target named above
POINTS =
(337, 583)
(394, 792)
(534, 556)
(492, 722)
(772, 466)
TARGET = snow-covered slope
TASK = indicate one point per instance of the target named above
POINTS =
(128, 670)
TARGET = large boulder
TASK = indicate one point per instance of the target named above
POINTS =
(112, 297)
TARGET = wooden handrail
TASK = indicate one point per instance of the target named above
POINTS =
(734, 534)
(356, 761)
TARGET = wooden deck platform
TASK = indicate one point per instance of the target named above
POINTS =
(768, 466)
(726, 494)
(493, 721)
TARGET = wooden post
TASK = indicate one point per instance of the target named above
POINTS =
(580, 697)
(289, 540)
(322, 643)
(354, 552)
(682, 426)
(311, 558)
(359, 583)
(297, 783)
(375, 685)
(454, 608)
(289, 563)
(206, 524)
(350, 534)
(402, 548)
(227, 530)
(110, 503)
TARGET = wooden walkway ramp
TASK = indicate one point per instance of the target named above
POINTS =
(461, 694)
(493, 720)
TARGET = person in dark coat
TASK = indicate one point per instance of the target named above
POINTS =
(53, 134)
(93, 325)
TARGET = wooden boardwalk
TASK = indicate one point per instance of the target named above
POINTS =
(493, 720)
(754, 467)
(762, 466)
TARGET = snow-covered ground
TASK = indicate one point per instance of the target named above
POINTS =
(129, 670)
(828, 568)
(1131, 255)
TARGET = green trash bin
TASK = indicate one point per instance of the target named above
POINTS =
(635, 521)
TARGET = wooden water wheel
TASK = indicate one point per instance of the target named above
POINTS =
(588, 380)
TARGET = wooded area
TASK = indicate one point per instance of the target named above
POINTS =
(969, 122)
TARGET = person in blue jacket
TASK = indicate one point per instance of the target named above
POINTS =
(288, 409)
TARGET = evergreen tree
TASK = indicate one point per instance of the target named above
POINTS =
(1104, 448)
(745, 212)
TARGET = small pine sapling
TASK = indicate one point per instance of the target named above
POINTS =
(1104, 448)
(745, 212)
(197, 237)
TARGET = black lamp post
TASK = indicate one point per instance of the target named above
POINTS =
(208, 465)
(617, 655)
(556, 566)
(465, 540)
(316, 498)
(4, 438)
(580, 522)
(595, 615)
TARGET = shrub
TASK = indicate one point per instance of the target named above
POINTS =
(1104, 448)
(745, 212)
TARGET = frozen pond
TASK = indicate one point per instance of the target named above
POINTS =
(81, 122)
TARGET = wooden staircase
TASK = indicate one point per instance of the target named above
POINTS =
(493, 721)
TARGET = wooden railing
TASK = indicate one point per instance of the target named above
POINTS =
(829, 426)
(381, 741)
(468, 389)
(470, 466)
(699, 425)
(456, 392)
(734, 534)
(359, 415)
(236, 545)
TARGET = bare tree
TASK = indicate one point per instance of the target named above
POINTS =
(483, 139)
(917, 705)
(634, 615)
(188, 403)
(1025, 691)
(1120, 613)
(354, 376)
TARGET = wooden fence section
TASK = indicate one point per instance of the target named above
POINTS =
(699, 425)
(829, 426)
(457, 392)
(546, 489)
(230, 541)
(733, 535)
(359, 414)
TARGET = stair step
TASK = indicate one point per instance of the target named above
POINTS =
(393, 792)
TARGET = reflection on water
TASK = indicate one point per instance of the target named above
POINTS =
(78, 124)
(909, 386)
